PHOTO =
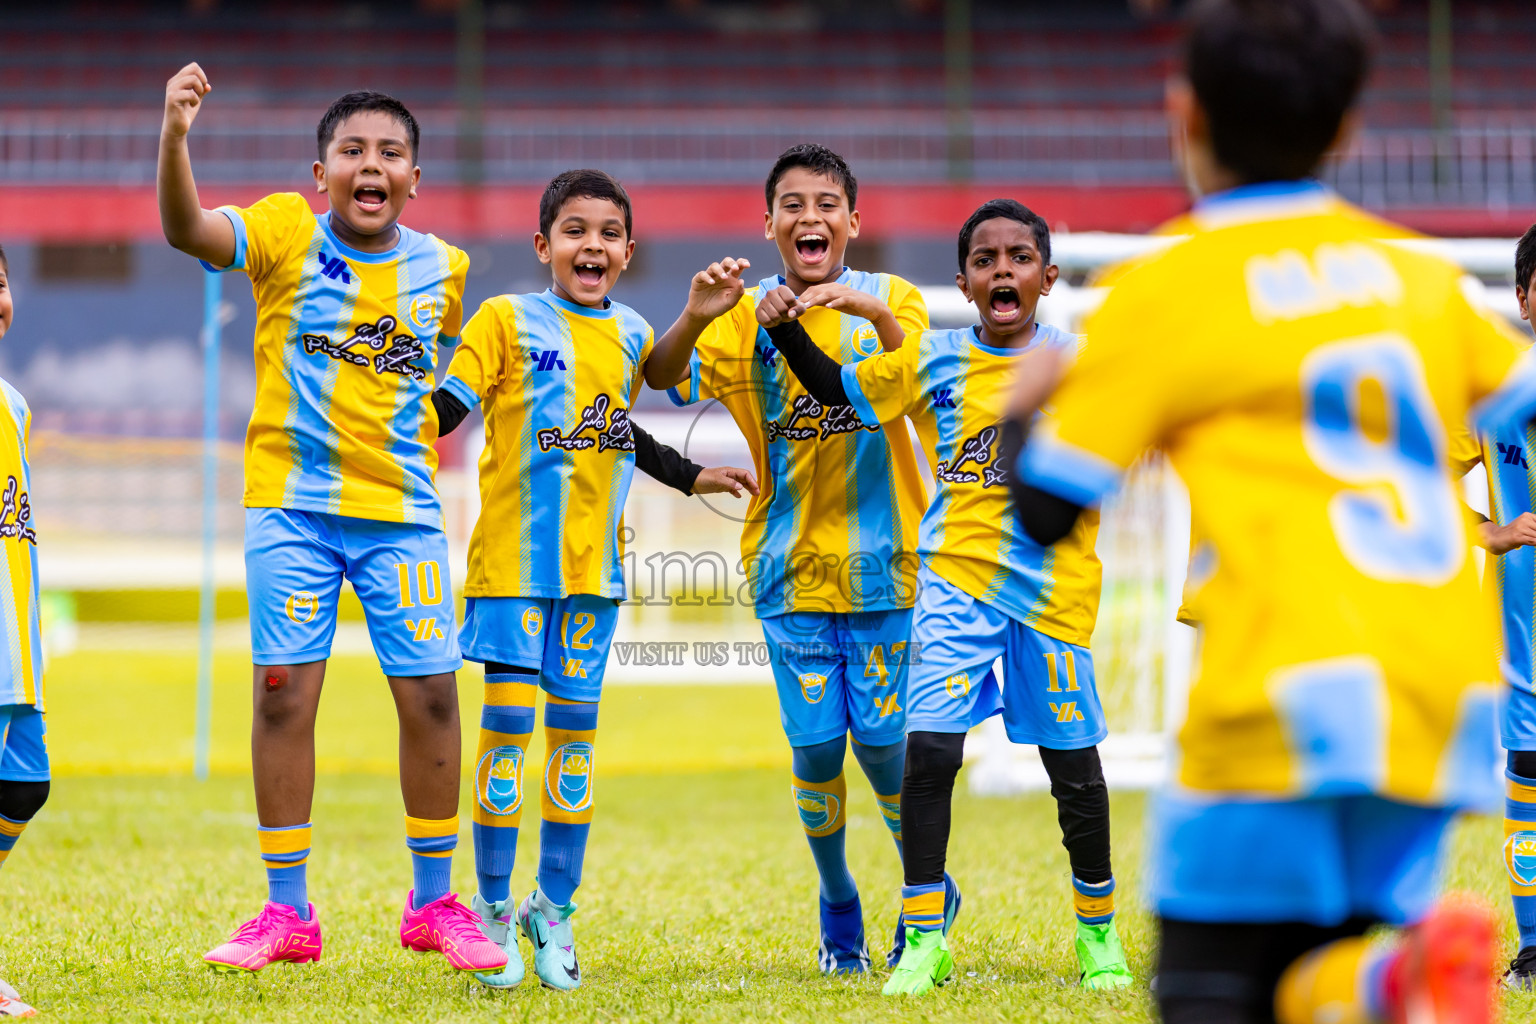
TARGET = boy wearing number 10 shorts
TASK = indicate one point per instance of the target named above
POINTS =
(339, 465)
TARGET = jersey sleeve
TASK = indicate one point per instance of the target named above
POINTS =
(909, 307)
(1465, 450)
(452, 324)
(266, 232)
(717, 358)
(887, 385)
(479, 362)
(1501, 371)
(1135, 376)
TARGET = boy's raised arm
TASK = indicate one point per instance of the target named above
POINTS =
(206, 234)
(715, 290)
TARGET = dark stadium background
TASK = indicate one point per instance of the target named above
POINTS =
(938, 104)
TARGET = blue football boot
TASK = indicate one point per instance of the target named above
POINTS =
(843, 949)
(951, 909)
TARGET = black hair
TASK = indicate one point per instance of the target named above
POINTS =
(358, 102)
(5, 264)
(818, 160)
(1525, 258)
(1275, 79)
(1006, 209)
(584, 183)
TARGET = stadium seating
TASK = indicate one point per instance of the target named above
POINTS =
(1084, 56)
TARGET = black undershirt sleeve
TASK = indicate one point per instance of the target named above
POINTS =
(818, 373)
(450, 412)
(662, 462)
(1044, 516)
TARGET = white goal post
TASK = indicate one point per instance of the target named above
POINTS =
(1142, 655)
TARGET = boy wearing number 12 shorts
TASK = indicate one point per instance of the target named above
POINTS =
(350, 309)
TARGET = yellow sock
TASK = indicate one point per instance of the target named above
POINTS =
(1332, 984)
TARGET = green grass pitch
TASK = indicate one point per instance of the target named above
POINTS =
(698, 902)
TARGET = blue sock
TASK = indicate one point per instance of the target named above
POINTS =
(883, 767)
(821, 794)
(431, 842)
(285, 851)
(506, 726)
(566, 800)
(562, 849)
(1520, 852)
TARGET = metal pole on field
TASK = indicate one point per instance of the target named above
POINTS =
(213, 286)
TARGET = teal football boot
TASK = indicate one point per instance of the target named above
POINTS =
(496, 923)
(554, 941)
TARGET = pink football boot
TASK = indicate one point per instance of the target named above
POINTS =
(449, 927)
(277, 934)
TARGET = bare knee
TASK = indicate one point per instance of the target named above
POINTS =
(432, 700)
(282, 702)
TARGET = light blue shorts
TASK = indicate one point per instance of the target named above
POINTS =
(566, 639)
(294, 565)
(1319, 861)
(840, 672)
(1047, 697)
(1517, 719)
(25, 741)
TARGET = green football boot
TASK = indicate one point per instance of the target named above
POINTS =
(1100, 958)
(924, 963)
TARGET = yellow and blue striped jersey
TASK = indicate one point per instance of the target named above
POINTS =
(557, 380)
(345, 355)
(954, 389)
(22, 682)
(1308, 406)
(834, 527)
(1510, 578)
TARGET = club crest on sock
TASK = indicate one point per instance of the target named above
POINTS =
(498, 779)
(820, 813)
(813, 686)
(1520, 857)
(568, 776)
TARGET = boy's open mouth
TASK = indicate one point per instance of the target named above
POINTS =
(812, 247)
(370, 198)
(589, 274)
(1004, 303)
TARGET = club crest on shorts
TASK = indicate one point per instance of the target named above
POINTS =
(813, 686)
(1520, 857)
(568, 776)
(820, 813)
(301, 606)
(499, 779)
(533, 621)
(958, 685)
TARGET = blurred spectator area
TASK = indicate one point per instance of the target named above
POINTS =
(700, 91)
(691, 55)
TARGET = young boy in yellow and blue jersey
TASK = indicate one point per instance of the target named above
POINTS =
(350, 309)
(556, 374)
(1343, 707)
(829, 544)
(24, 771)
(986, 591)
(1510, 536)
